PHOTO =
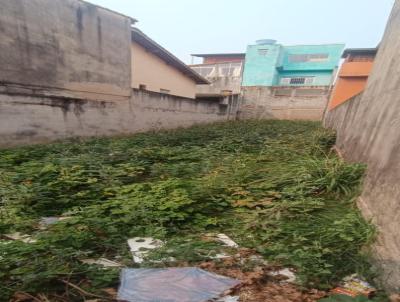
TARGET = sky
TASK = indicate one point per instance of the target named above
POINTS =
(215, 26)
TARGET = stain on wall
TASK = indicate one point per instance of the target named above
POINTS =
(368, 130)
(27, 119)
(65, 44)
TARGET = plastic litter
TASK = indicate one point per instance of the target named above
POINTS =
(46, 221)
(354, 286)
(227, 241)
(290, 276)
(20, 237)
(229, 299)
(164, 260)
(220, 256)
(172, 285)
(140, 246)
(258, 259)
(102, 261)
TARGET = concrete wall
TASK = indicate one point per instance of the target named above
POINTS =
(27, 119)
(151, 71)
(368, 128)
(293, 103)
(66, 46)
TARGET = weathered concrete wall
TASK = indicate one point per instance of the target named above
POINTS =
(67, 46)
(368, 128)
(27, 119)
(292, 103)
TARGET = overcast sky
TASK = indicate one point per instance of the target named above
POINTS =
(204, 26)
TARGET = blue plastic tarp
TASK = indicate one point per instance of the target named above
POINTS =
(186, 284)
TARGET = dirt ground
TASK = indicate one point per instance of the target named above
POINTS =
(257, 284)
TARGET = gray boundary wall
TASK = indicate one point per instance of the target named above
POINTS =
(69, 47)
(368, 130)
(26, 119)
(291, 103)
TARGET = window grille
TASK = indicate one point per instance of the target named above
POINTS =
(297, 81)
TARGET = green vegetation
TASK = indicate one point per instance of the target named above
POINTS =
(270, 185)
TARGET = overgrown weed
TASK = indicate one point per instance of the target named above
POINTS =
(271, 185)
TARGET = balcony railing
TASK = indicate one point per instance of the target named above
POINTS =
(219, 70)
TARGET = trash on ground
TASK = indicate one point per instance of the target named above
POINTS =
(290, 276)
(22, 237)
(229, 299)
(172, 285)
(102, 261)
(226, 240)
(140, 246)
(345, 298)
(164, 260)
(46, 221)
(354, 286)
(220, 256)
(257, 259)
(223, 239)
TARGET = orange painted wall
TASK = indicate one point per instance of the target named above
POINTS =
(353, 77)
(346, 88)
(354, 69)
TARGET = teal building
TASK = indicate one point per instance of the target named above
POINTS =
(270, 64)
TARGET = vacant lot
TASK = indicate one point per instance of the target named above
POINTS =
(272, 186)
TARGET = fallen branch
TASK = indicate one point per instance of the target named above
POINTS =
(82, 291)
(43, 298)
(30, 296)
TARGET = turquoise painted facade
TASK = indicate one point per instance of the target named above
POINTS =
(271, 64)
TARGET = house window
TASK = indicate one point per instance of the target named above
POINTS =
(297, 81)
(166, 91)
(302, 58)
(142, 87)
(263, 51)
